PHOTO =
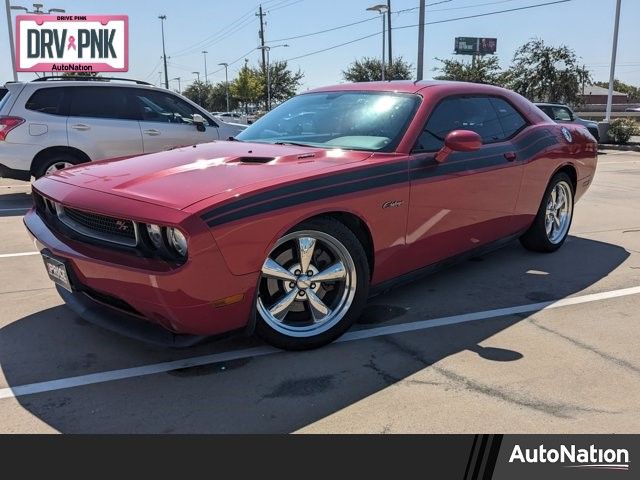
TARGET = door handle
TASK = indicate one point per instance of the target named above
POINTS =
(80, 126)
(152, 132)
(510, 156)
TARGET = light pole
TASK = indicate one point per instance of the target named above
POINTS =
(164, 54)
(37, 10)
(226, 81)
(198, 74)
(179, 85)
(420, 66)
(267, 49)
(612, 73)
(381, 9)
(206, 76)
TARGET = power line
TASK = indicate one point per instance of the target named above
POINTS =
(485, 14)
(284, 6)
(324, 31)
(428, 23)
(224, 31)
(339, 27)
(333, 47)
(465, 7)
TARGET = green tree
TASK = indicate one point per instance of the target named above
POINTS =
(199, 92)
(247, 87)
(484, 69)
(545, 73)
(284, 82)
(369, 69)
(619, 86)
(217, 99)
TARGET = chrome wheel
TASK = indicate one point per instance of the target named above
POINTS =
(308, 284)
(54, 167)
(558, 213)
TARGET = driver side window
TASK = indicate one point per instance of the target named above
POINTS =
(493, 118)
(477, 113)
(165, 108)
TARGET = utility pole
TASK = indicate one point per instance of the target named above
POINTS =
(226, 81)
(261, 15)
(11, 44)
(389, 27)
(612, 73)
(164, 53)
(197, 74)
(206, 75)
(420, 67)
(264, 51)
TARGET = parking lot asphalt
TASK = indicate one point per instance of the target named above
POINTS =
(559, 355)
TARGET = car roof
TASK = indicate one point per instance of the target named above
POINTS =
(405, 86)
(542, 104)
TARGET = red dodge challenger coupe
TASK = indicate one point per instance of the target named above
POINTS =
(288, 229)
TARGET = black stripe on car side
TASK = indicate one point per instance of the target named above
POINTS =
(331, 191)
(303, 186)
(373, 177)
(465, 161)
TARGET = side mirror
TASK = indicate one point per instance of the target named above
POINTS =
(198, 121)
(459, 141)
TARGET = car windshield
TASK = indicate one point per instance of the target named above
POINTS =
(349, 120)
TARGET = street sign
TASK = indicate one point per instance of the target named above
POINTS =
(475, 45)
(72, 43)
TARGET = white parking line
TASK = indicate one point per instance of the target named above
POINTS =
(22, 254)
(24, 209)
(125, 373)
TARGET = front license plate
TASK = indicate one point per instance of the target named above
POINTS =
(57, 272)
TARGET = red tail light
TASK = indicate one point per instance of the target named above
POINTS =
(7, 124)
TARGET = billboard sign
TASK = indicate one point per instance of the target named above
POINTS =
(72, 43)
(475, 45)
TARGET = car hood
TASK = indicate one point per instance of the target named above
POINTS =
(184, 176)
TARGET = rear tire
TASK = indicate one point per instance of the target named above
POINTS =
(313, 287)
(54, 162)
(553, 220)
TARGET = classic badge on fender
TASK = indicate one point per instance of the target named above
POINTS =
(392, 204)
(567, 135)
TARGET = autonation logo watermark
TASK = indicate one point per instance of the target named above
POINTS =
(574, 457)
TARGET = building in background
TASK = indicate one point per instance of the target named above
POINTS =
(594, 95)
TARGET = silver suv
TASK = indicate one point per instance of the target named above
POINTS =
(54, 122)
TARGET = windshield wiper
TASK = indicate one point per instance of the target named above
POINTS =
(297, 144)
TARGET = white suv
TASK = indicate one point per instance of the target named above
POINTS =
(53, 122)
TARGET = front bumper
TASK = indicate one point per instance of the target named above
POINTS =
(144, 299)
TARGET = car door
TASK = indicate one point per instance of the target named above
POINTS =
(167, 121)
(102, 123)
(468, 200)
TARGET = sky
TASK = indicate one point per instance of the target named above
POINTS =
(228, 30)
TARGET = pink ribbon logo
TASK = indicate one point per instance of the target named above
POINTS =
(72, 43)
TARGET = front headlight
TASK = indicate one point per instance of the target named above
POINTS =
(178, 241)
(155, 234)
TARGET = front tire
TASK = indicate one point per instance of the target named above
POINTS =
(55, 162)
(313, 287)
(553, 220)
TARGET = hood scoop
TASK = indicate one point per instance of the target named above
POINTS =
(252, 160)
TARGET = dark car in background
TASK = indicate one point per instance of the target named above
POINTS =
(563, 114)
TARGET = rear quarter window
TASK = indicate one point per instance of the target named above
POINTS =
(48, 100)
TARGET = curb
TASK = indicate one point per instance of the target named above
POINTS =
(623, 148)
